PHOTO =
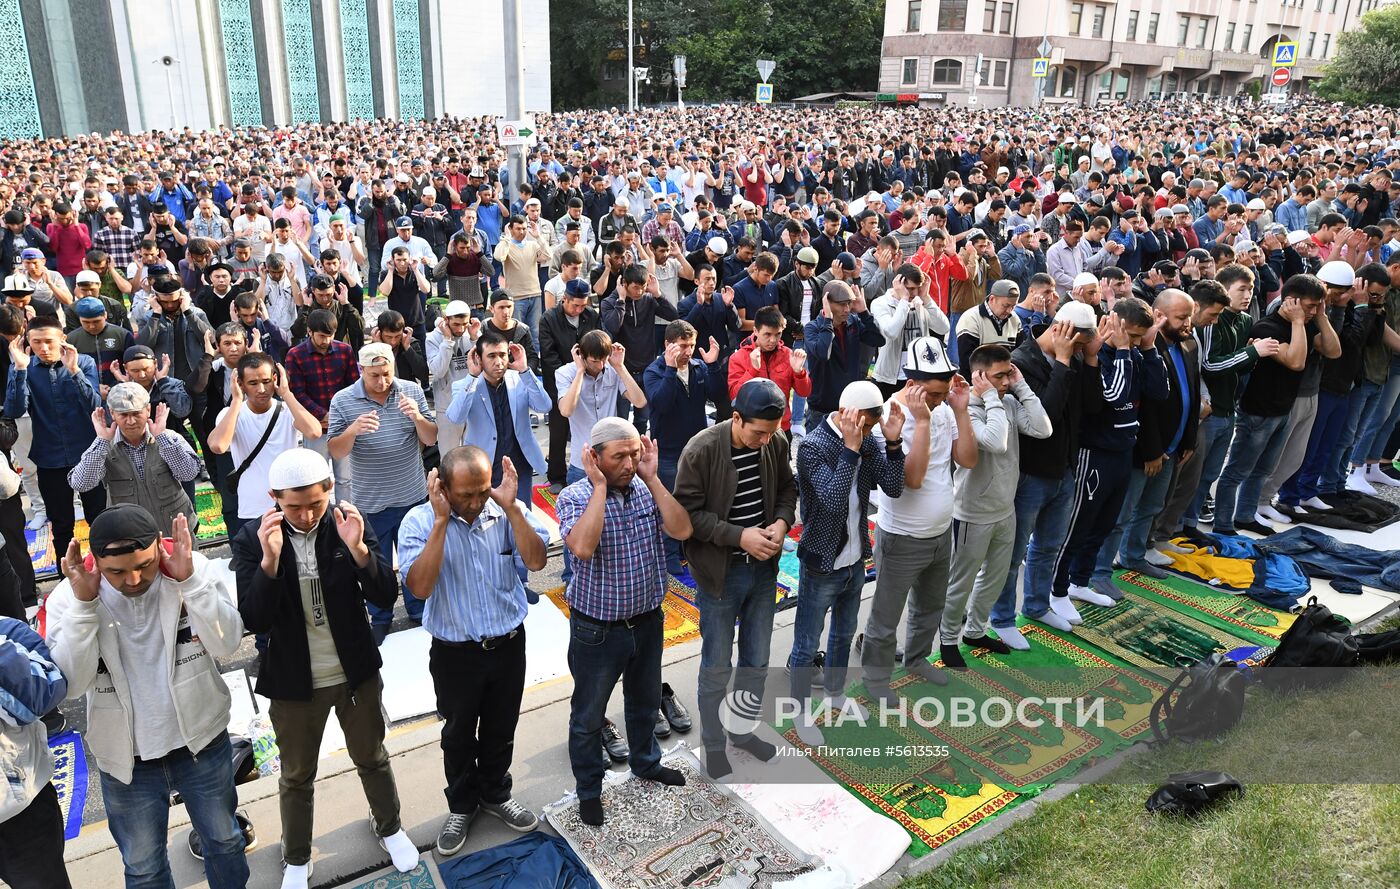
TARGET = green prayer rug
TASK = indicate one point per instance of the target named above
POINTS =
(1250, 620)
(1147, 633)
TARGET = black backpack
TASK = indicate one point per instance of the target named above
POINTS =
(1190, 793)
(1319, 639)
(1209, 701)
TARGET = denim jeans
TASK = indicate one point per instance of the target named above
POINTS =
(837, 592)
(1254, 451)
(527, 311)
(1214, 445)
(1042, 521)
(139, 816)
(666, 472)
(1323, 450)
(599, 654)
(1379, 419)
(748, 598)
(953, 337)
(385, 524)
(799, 411)
(1128, 540)
(1360, 404)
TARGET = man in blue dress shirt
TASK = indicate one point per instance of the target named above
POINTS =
(457, 552)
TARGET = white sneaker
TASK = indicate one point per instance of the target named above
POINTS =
(1158, 558)
(1376, 477)
(1084, 594)
(1056, 620)
(296, 876)
(1356, 481)
(1013, 638)
(401, 851)
(1317, 503)
(1062, 606)
(1266, 514)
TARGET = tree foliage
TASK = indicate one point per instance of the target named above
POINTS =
(1366, 70)
(721, 39)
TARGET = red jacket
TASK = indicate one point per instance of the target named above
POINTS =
(775, 366)
(70, 244)
(943, 269)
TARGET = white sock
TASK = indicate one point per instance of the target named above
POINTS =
(1062, 606)
(1356, 481)
(1085, 594)
(1053, 618)
(296, 876)
(1374, 475)
(1013, 638)
(401, 851)
(1158, 558)
(1266, 514)
(1317, 503)
(808, 733)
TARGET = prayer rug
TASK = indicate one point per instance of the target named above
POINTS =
(545, 501)
(424, 876)
(1148, 634)
(682, 618)
(210, 508)
(1242, 616)
(700, 834)
(70, 779)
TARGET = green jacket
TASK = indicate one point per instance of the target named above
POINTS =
(1227, 358)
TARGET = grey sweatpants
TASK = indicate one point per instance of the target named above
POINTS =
(1300, 424)
(912, 570)
(981, 558)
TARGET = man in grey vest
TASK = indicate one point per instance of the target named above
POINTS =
(137, 458)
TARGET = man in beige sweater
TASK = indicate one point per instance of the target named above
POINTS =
(520, 255)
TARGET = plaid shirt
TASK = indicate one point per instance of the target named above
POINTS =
(627, 574)
(315, 378)
(174, 450)
(118, 243)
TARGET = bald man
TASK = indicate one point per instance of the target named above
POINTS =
(1166, 439)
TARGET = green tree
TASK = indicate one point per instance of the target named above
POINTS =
(721, 39)
(1367, 67)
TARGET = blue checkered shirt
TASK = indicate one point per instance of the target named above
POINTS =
(626, 575)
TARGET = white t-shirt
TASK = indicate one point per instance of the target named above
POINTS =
(555, 288)
(668, 281)
(253, 496)
(253, 230)
(295, 261)
(928, 511)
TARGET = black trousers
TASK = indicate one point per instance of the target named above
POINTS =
(31, 845)
(17, 550)
(58, 504)
(558, 440)
(478, 697)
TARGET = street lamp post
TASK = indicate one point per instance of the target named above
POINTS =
(678, 68)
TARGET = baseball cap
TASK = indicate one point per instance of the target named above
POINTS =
(127, 397)
(808, 256)
(88, 276)
(665, 208)
(297, 468)
(456, 307)
(374, 354)
(1244, 246)
(89, 307)
(498, 295)
(136, 353)
(121, 529)
(1337, 274)
(760, 399)
(862, 395)
(928, 360)
(1084, 279)
(403, 222)
(846, 260)
(718, 245)
(31, 253)
(1080, 315)
(1004, 287)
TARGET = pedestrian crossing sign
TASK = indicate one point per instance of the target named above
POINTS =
(765, 93)
(1040, 68)
(1285, 55)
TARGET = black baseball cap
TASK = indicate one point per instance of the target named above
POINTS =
(121, 529)
(760, 399)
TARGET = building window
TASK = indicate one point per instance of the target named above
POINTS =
(916, 14)
(1132, 25)
(993, 73)
(1201, 30)
(1326, 43)
(1061, 82)
(1183, 28)
(1007, 11)
(989, 16)
(1244, 40)
(1229, 36)
(614, 70)
(1076, 18)
(909, 72)
(952, 15)
(1312, 42)
(1113, 85)
(1100, 13)
(1170, 83)
(947, 72)
(1152, 22)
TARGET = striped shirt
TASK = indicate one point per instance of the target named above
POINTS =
(746, 510)
(386, 466)
(626, 575)
(478, 593)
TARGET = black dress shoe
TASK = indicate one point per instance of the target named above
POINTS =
(674, 710)
(613, 742)
(663, 728)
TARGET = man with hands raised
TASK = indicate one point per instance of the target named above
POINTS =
(449, 346)
(834, 340)
(913, 531)
(764, 355)
(589, 388)
(458, 552)
(137, 458)
(305, 571)
(382, 424)
(904, 313)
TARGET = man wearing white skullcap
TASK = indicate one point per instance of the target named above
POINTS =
(305, 571)
(839, 464)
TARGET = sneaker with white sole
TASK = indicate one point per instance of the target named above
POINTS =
(1085, 594)
(515, 816)
(1266, 514)
(1356, 481)
(1062, 606)
(453, 835)
(1375, 476)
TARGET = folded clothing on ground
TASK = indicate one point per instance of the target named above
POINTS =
(1239, 563)
(1347, 565)
(1351, 511)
